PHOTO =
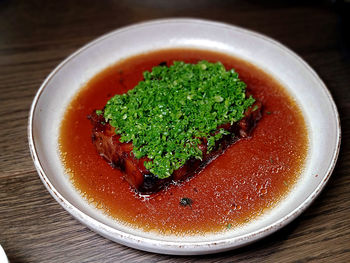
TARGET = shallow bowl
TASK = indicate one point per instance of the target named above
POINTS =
(289, 69)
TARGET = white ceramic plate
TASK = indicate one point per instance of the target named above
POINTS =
(296, 76)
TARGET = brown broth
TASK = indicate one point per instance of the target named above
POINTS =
(250, 177)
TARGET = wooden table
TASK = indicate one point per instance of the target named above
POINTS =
(36, 35)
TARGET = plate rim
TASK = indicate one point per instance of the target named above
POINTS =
(165, 246)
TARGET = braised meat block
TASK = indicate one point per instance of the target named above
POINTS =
(119, 155)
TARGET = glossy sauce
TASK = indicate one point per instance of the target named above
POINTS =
(250, 177)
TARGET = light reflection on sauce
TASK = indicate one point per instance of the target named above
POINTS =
(251, 176)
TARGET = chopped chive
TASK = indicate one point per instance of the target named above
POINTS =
(165, 114)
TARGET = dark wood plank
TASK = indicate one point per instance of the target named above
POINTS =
(36, 35)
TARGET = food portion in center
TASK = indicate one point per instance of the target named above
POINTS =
(174, 122)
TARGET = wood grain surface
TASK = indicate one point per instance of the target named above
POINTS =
(36, 35)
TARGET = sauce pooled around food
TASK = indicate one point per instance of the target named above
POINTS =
(251, 176)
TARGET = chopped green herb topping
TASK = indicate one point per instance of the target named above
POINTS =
(255, 108)
(167, 113)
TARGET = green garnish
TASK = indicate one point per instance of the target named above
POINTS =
(167, 113)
